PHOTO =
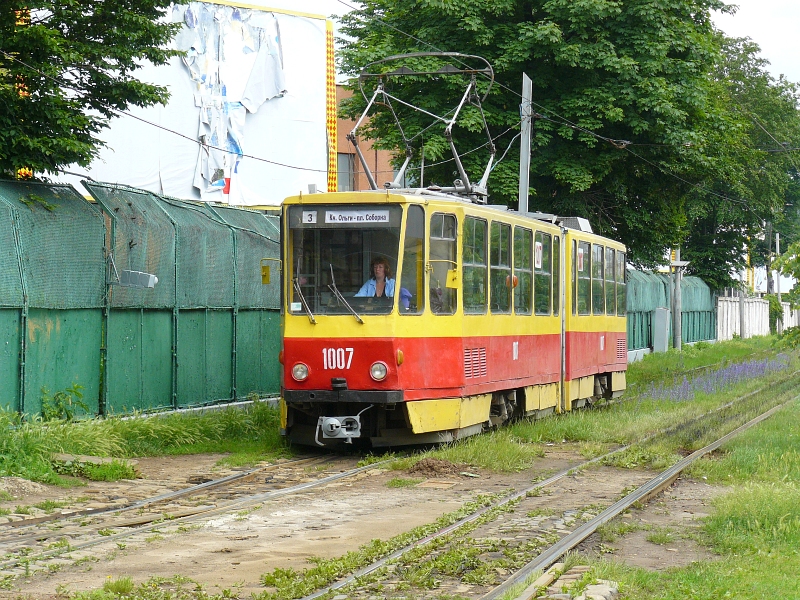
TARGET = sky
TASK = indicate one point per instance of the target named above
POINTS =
(772, 24)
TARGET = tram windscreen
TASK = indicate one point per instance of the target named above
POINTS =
(332, 256)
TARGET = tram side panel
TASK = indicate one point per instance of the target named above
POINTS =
(596, 344)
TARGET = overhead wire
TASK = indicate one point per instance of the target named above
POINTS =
(617, 143)
(156, 125)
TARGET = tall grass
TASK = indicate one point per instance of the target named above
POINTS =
(26, 447)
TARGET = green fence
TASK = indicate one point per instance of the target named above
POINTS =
(648, 291)
(208, 332)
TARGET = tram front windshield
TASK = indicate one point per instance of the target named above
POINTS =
(331, 254)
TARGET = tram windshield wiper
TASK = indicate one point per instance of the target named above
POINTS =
(303, 301)
(332, 287)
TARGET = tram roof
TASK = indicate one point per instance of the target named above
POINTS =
(423, 196)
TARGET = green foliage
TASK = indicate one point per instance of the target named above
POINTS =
(79, 64)
(111, 471)
(775, 312)
(290, 583)
(26, 447)
(636, 103)
(402, 482)
(63, 404)
(155, 588)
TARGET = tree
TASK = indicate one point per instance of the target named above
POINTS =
(66, 68)
(635, 129)
(761, 175)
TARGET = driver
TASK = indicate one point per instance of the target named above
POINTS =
(381, 284)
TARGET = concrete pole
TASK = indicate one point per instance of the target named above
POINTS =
(526, 110)
(741, 304)
(677, 305)
(779, 324)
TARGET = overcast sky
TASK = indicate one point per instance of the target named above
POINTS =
(772, 24)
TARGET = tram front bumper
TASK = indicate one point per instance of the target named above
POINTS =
(339, 396)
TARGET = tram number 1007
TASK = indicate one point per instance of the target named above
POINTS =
(337, 358)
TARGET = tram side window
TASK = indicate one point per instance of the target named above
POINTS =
(611, 293)
(556, 274)
(622, 306)
(582, 293)
(442, 260)
(501, 268)
(598, 291)
(412, 299)
(474, 267)
(523, 271)
(542, 260)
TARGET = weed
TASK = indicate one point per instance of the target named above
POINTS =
(400, 482)
(4, 512)
(49, 506)
(63, 543)
(109, 471)
(62, 405)
(22, 510)
(661, 536)
(5, 496)
(154, 538)
(122, 586)
(105, 531)
(122, 545)
(371, 459)
(609, 532)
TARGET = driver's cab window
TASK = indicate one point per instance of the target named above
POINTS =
(342, 258)
(442, 260)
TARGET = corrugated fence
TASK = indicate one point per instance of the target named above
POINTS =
(648, 291)
(208, 332)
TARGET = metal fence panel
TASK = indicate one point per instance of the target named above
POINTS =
(60, 241)
(257, 236)
(258, 342)
(139, 362)
(143, 240)
(204, 255)
(10, 322)
(62, 349)
(204, 358)
(10, 279)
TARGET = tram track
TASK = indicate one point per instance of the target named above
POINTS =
(435, 544)
(23, 546)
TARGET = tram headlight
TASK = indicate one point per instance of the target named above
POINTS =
(378, 371)
(300, 372)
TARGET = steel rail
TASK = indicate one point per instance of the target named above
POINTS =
(544, 483)
(201, 513)
(24, 523)
(643, 493)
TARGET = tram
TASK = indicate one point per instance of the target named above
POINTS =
(486, 314)
(414, 316)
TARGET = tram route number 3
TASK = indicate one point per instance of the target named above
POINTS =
(337, 358)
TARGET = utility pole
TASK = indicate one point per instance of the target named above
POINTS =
(677, 301)
(526, 112)
(779, 324)
(741, 303)
(770, 281)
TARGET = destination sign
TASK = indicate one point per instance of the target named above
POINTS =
(364, 217)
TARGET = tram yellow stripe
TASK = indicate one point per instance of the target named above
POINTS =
(448, 413)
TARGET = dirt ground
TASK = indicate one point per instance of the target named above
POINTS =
(233, 551)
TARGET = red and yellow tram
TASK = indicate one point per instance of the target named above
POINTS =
(486, 314)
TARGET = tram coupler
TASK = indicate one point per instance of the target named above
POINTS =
(339, 428)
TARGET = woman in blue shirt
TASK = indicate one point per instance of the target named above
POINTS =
(381, 284)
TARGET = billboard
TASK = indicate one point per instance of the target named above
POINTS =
(252, 113)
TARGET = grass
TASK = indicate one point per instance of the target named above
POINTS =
(754, 529)
(290, 583)
(156, 588)
(401, 482)
(27, 447)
